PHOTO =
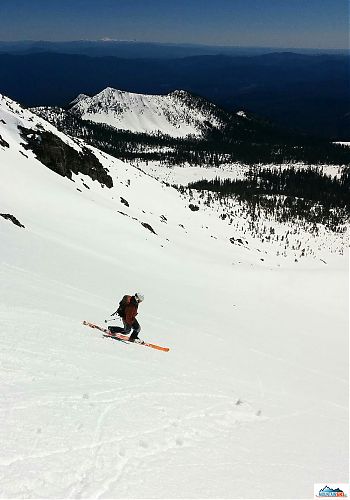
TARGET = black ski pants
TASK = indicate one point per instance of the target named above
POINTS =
(134, 329)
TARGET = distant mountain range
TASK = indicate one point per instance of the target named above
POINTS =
(150, 50)
(301, 91)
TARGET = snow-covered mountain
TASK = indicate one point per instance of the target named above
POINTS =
(177, 114)
(258, 343)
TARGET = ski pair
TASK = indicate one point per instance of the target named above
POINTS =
(124, 337)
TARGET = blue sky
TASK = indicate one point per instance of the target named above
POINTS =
(275, 23)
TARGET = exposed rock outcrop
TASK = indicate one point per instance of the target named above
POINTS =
(62, 158)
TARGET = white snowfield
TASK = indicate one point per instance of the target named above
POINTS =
(168, 114)
(251, 401)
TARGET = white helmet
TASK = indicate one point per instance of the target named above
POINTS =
(139, 297)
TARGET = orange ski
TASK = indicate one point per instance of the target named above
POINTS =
(124, 337)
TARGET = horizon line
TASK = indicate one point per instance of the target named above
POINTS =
(106, 40)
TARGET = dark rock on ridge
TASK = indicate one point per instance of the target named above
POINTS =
(63, 159)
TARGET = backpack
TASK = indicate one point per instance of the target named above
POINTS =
(122, 304)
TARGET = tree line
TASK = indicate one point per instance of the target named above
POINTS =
(288, 194)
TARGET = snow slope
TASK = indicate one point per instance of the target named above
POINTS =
(251, 401)
(177, 114)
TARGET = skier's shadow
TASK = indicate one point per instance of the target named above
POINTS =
(115, 338)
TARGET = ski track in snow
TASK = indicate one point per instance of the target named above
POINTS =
(144, 445)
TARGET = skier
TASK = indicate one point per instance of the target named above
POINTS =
(127, 310)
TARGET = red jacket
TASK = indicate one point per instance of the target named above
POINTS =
(130, 311)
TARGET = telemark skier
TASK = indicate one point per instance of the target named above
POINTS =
(127, 310)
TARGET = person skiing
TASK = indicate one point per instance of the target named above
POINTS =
(127, 310)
